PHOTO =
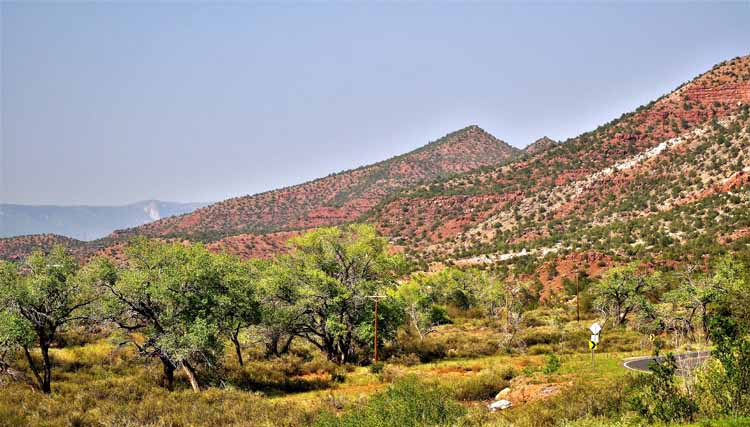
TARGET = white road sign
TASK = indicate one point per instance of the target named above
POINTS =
(595, 339)
(595, 328)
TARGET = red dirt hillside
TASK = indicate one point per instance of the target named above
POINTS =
(13, 248)
(530, 197)
(337, 198)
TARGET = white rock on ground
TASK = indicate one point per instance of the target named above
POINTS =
(504, 392)
(500, 404)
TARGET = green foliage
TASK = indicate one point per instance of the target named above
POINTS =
(327, 282)
(40, 298)
(172, 295)
(407, 403)
(460, 289)
(483, 386)
(553, 364)
(662, 399)
(238, 297)
(439, 315)
(621, 292)
(15, 333)
(729, 326)
(600, 400)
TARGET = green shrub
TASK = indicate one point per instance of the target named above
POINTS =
(391, 373)
(443, 345)
(409, 359)
(377, 368)
(732, 390)
(553, 364)
(485, 385)
(662, 399)
(583, 400)
(439, 315)
(407, 403)
(540, 335)
(729, 422)
(339, 375)
(540, 349)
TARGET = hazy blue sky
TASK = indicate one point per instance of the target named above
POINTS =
(112, 103)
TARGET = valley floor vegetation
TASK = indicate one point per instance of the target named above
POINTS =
(175, 335)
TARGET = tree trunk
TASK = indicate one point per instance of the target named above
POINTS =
(272, 345)
(330, 350)
(47, 367)
(168, 377)
(287, 344)
(34, 368)
(237, 348)
(190, 372)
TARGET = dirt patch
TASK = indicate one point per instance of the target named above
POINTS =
(523, 391)
(445, 370)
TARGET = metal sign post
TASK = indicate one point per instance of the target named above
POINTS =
(595, 329)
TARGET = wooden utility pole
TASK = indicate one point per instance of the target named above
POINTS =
(578, 298)
(377, 298)
(376, 330)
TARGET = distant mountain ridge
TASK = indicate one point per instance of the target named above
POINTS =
(84, 222)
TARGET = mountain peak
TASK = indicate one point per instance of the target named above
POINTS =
(473, 129)
(540, 144)
(475, 134)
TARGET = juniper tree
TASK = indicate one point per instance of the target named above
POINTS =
(40, 297)
(330, 273)
(167, 299)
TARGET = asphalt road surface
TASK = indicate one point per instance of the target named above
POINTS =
(685, 361)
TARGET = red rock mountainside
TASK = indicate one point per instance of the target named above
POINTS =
(670, 179)
(335, 199)
(534, 201)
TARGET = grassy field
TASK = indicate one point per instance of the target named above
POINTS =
(101, 384)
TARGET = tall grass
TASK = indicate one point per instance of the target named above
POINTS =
(407, 403)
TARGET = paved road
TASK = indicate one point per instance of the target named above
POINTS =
(685, 361)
